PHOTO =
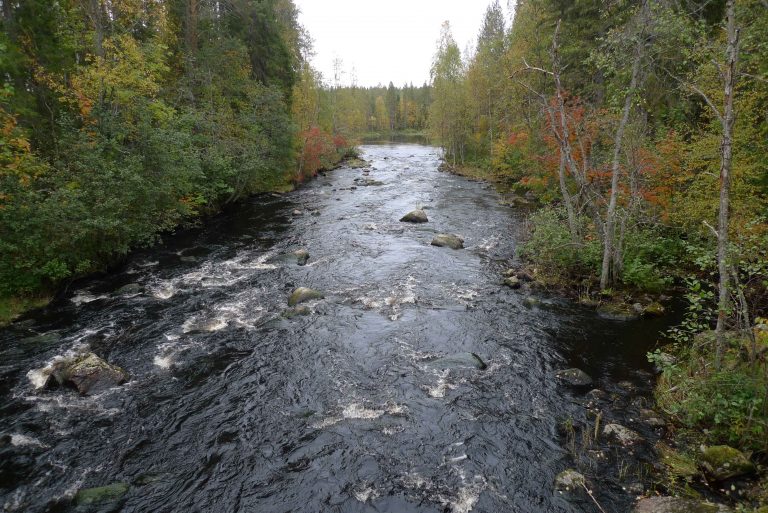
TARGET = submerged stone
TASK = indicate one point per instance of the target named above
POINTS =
(466, 360)
(130, 289)
(302, 256)
(721, 462)
(574, 377)
(416, 216)
(297, 311)
(447, 240)
(101, 494)
(303, 294)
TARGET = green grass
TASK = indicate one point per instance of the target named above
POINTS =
(12, 307)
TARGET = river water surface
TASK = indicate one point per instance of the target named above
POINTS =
(232, 407)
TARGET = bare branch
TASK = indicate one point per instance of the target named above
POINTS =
(705, 223)
(698, 91)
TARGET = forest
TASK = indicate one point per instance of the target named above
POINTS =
(633, 134)
(641, 130)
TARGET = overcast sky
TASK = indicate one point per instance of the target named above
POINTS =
(385, 40)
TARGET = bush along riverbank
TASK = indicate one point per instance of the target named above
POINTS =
(710, 417)
(641, 133)
(111, 139)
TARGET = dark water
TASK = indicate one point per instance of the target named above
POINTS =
(233, 408)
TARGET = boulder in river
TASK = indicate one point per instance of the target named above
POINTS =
(297, 212)
(654, 309)
(513, 282)
(448, 240)
(87, 373)
(130, 290)
(618, 312)
(101, 494)
(621, 434)
(574, 377)
(460, 360)
(416, 216)
(302, 256)
(569, 480)
(368, 182)
(721, 462)
(303, 294)
(677, 505)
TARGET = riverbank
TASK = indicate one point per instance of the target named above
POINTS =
(14, 306)
(710, 419)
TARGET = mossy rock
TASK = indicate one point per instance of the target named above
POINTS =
(569, 480)
(448, 240)
(721, 462)
(574, 377)
(101, 494)
(416, 216)
(302, 256)
(303, 294)
(655, 309)
(513, 282)
(617, 312)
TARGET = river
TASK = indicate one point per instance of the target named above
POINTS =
(231, 407)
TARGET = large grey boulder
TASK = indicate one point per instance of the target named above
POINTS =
(448, 241)
(416, 216)
(87, 373)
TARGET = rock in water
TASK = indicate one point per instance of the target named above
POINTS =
(677, 505)
(130, 290)
(569, 480)
(448, 240)
(623, 435)
(574, 377)
(101, 494)
(302, 256)
(721, 462)
(513, 282)
(297, 311)
(655, 309)
(417, 216)
(91, 374)
(461, 360)
(303, 294)
(618, 312)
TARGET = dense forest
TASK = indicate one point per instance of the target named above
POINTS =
(122, 119)
(642, 129)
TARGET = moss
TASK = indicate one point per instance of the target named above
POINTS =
(678, 464)
(101, 494)
(722, 462)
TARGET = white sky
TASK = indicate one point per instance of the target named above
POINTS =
(387, 40)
